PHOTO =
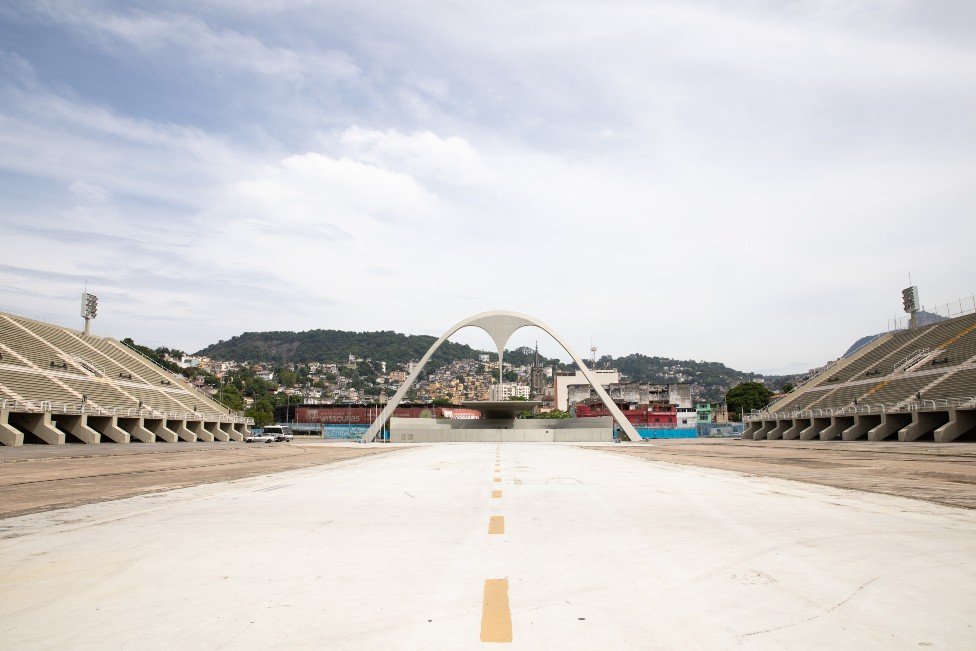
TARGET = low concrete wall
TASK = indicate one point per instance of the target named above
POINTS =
(534, 430)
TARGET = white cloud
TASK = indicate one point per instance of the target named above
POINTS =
(744, 184)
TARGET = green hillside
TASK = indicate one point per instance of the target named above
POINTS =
(712, 378)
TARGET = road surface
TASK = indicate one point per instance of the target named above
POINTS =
(528, 546)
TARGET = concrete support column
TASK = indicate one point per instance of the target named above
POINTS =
(793, 433)
(134, 428)
(817, 425)
(9, 435)
(77, 426)
(750, 430)
(179, 426)
(923, 422)
(241, 429)
(760, 434)
(232, 434)
(837, 425)
(158, 427)
(196, 426)
(890, 424)
(863, 423)
(214, 428)
(777, 432)
(108, 427)
(961, 421)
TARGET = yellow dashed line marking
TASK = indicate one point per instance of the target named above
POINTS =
(496, 616)
(496, 524)
(497, 495)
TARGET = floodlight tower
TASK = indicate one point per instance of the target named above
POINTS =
(909, 300)
(89, 309)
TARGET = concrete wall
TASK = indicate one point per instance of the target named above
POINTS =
(433, 430)
(561, 384)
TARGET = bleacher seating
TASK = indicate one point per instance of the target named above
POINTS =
(44, 367)
(932, 368)
(961, 384)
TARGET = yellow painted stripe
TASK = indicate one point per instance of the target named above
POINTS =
(497, 479)
(496, 615)
(496, 524)
(496, 494)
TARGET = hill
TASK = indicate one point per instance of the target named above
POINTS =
(334, 346)
(924, 319)
(713, 379)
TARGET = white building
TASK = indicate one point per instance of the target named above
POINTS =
(563, 381)
(508, 391)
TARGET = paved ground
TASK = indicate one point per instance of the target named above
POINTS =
(578, 548)
(42, 477)
(937, 472)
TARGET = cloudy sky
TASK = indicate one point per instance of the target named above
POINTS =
(746, 182)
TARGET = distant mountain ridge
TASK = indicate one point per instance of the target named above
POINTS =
(924, 319)
(335, 346)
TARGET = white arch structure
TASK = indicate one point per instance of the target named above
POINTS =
(500, 326)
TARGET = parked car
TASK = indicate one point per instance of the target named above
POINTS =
(263, 437)
(280, 432)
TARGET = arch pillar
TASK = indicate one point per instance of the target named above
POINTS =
(500, 326)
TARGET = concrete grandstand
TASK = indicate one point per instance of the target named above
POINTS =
(58, 386)
(914, 384)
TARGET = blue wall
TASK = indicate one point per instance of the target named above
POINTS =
(350, 431)
(667, 433)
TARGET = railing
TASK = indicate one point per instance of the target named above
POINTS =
(851, 410)
(10, 404)
(949, 310)
(912, 359)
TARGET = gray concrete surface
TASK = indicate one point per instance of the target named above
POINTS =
(596, 550)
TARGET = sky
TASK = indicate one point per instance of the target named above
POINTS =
(750, 182)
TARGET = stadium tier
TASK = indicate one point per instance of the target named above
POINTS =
(58, 386)
(917, 384)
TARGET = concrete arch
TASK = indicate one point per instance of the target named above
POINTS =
(500, 326)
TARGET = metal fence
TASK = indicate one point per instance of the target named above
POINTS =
(948, 310)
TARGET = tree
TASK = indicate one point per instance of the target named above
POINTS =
(262, 411)
(231, 397)
(522, 398)
(286, 378)
(554, 413)
(441, 402)
(745, 397)
(510, 376)
(786, 388)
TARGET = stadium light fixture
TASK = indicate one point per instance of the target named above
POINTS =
(89, 309)
(909, 300)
